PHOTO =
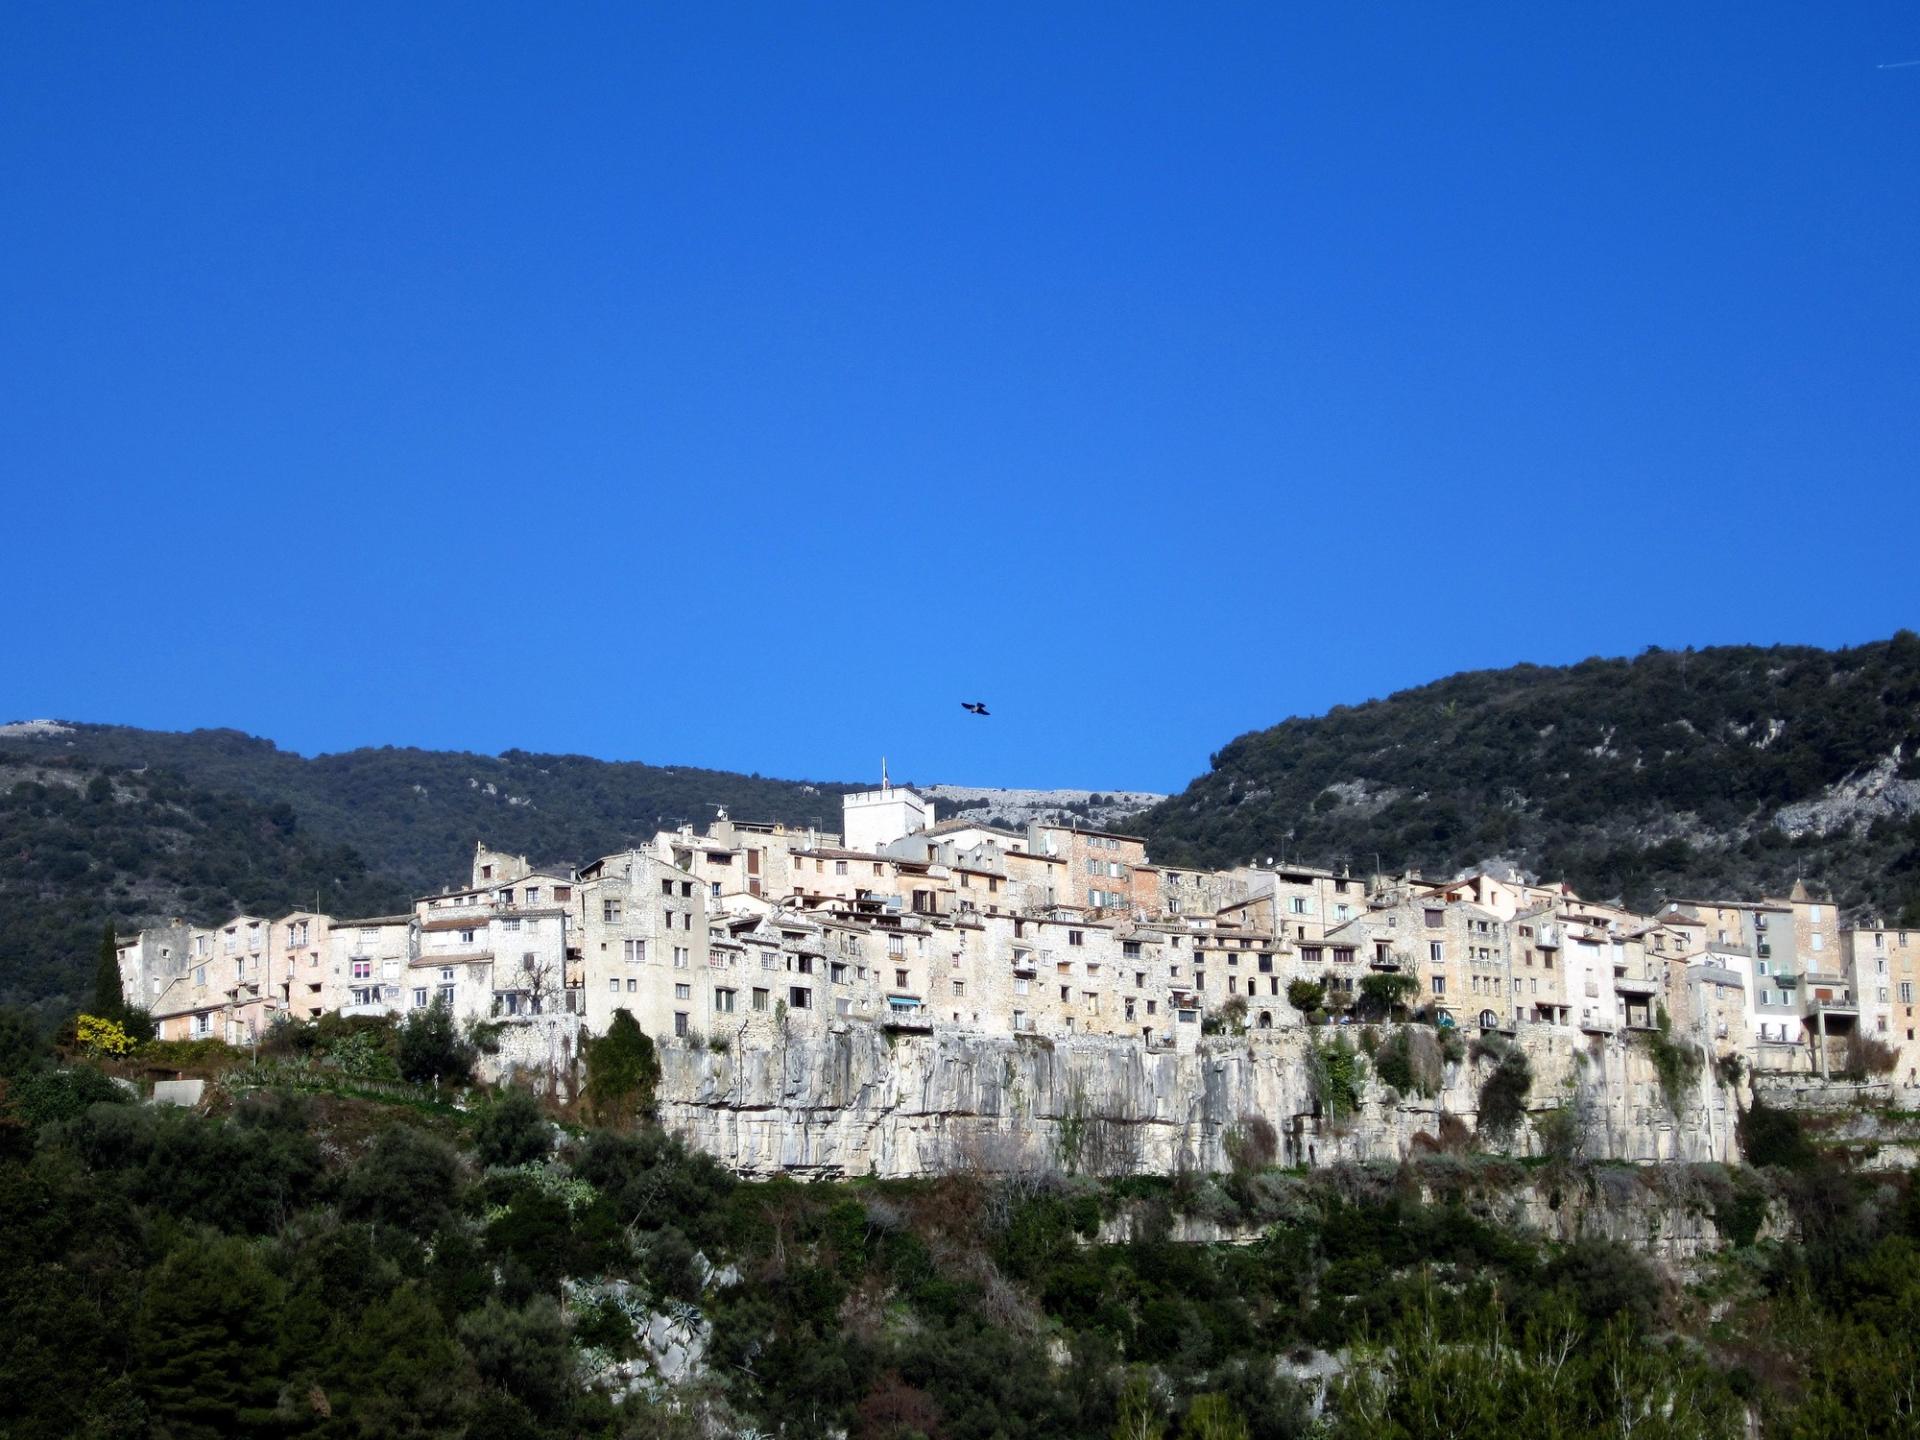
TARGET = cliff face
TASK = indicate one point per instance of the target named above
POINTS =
(857, 1102)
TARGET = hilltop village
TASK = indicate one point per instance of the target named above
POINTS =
(912, 924)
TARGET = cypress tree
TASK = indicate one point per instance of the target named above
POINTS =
(108, 1001)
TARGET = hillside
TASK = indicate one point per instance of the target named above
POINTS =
(414, 814)
(1729, 770)
(85, 844)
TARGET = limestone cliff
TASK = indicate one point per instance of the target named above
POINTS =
(858, 1101)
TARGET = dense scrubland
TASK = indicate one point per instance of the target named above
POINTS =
(335, 1246)
(1675, 773)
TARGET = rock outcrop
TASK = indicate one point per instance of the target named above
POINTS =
(860, 1101)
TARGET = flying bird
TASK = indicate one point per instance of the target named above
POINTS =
(974, 707)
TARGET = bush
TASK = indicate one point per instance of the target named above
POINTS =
(406, 1179)
(1770, 1136)
(101, 1037)
(432, 1048)
(1335, 1073)
(1306, 996)
(1409, 1061)
(511, 1129)
(1382, 996)
(622, 1073)
(1503, 1094)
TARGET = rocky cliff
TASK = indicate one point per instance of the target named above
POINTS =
(857, 1101)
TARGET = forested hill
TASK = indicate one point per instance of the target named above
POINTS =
(414, 815)
(1730, 770)
(82, 845)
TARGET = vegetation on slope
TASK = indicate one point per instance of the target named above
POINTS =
(1659, 776)
(84, 845)
(414, 814)
(306, 1262)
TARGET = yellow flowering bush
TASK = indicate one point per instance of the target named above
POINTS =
(102, 1037)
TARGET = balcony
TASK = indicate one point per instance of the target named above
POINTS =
(1385, 962)
(1825, 977)
(1547, 937)
(1643, 985)
(1593, 1025)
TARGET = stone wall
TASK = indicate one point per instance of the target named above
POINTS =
(856, 1101)
(539, 1052)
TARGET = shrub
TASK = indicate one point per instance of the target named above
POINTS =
(1769, 1136)
(511, 1129)
(1382, 996)
(622, 1073)
(1868, 1056)
(100, 1037)
(1503, 1094)
(432, 1047)
(1251, 1145)
(406, 1179)
(1409, 1060)
(1335, 1073)
(1306, 996)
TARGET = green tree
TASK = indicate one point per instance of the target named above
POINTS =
(622, 1073)
(109, 1003)
(511, 1129)
(1212, 1417)
(1139, 1417)
(204, 1341)
(406, 1179)
(432, 1047)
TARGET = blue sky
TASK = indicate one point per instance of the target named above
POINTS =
(748, 385)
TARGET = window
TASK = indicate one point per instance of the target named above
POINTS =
(446, 996)
(1075, 937)
(680, 954)
(900, 979)
(511, 923)
(799, 997)
(1906, 992)
(634, 950)
(666, 887)
(466, 937)
(837, 971)
(1439, 984)
(1131, 949)
(610, 911)
(839, 867)
(683, 992)
(680, 1023)
(203, 1024)
(363, 969)
(633, 985)
(723, 1001)
(614, 985)
(759, 998)
(959, 988)
(1436, 951)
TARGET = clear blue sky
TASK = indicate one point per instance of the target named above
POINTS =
(748, 385)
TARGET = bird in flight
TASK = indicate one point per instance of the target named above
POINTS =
(974, 707)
